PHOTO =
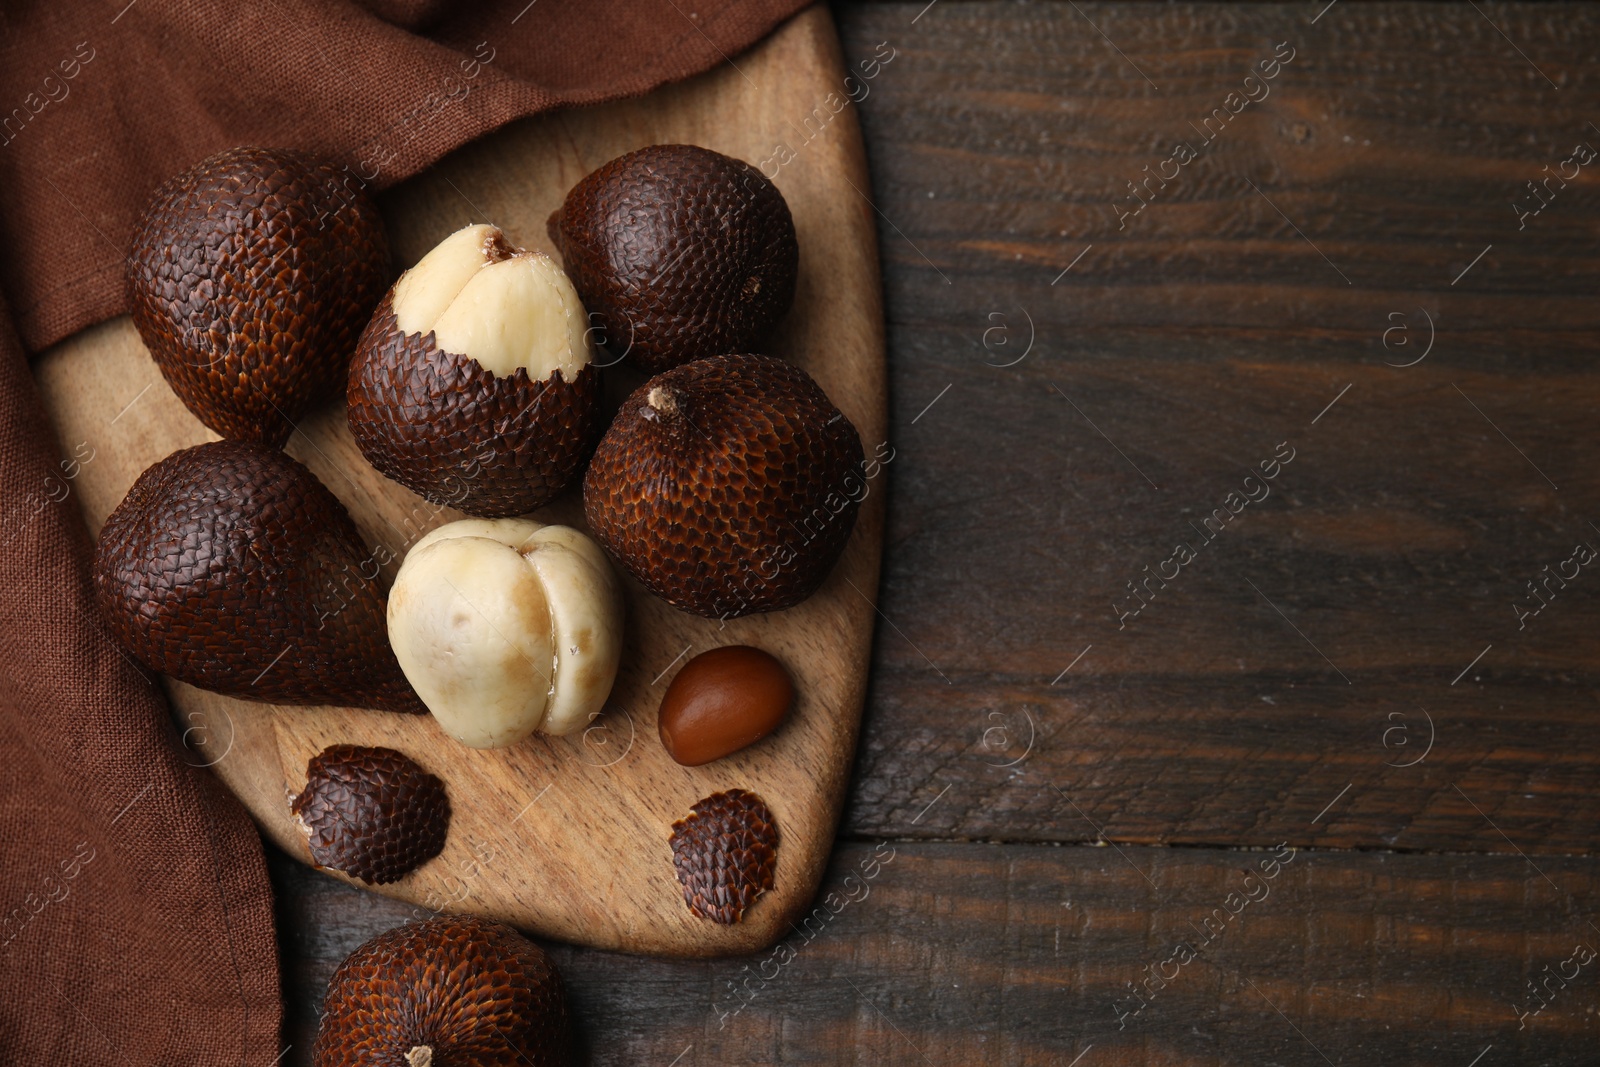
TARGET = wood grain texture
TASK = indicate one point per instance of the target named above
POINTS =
(1308, 644)
(1004, 954)
(1197, 339)
(568, 836)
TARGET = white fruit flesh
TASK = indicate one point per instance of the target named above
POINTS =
(473, 637)
(505, 626)
(504, 308)
(586, 618)
(423, 292)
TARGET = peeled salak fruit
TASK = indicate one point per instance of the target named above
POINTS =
(507, 626)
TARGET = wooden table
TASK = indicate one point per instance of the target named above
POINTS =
(1069, 791)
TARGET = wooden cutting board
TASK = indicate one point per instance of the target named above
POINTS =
(567, 837)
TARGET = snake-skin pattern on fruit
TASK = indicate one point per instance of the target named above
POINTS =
(725, 853)
(739, 503)
(371, 813)
(678, 252)
(470, 990)
(446, 428)
(249, 279)
(230, 567)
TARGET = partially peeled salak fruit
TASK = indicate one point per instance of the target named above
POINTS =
(474, 383)
(507, 626)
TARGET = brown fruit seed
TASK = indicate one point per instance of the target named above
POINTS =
(230, 567)
(451, 990)
(371, 813)
(725, 852)
(727, 486)
(722, 701)
(679, 252)
(249, 278)
(473, 383)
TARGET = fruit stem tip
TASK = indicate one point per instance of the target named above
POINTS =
(663, 400)
(420, 1056)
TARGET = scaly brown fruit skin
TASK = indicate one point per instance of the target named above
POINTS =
(371, 813)
(470, 990)
(446, 428)
(230, 567)
(250, 277)
(737, 500)
(679, 253)
(725, 853)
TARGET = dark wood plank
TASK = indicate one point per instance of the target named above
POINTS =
(975, 954)
(1343, 610)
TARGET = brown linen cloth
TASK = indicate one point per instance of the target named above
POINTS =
(135, 914)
